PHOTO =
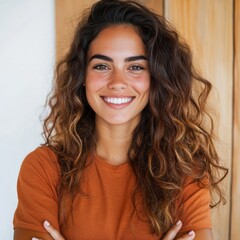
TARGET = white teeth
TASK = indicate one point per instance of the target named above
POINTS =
(117, 100)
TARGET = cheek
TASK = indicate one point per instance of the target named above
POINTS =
(92, 83)
(90, 87)
(95, 80)
(142, 85)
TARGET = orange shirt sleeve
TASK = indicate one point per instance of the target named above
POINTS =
(37, 191)
(194, 209)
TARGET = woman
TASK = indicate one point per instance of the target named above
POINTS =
(127, 153)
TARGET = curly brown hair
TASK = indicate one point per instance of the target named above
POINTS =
(174, 137)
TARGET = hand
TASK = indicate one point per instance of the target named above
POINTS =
(172, 232)
(53, 232)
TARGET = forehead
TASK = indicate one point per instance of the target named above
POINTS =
(117, 39)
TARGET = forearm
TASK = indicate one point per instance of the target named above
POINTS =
(26, 234)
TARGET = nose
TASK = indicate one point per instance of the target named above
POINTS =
(117, 81)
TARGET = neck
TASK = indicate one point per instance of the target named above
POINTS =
(113, 142)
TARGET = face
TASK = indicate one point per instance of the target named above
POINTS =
(118, 79)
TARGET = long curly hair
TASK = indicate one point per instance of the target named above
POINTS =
(174, 137)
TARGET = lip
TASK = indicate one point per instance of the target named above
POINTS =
(117, 101)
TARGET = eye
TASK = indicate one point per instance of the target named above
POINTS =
(136, 68)
(100, 67)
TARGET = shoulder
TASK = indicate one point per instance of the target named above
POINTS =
(37, 190)
(41, 162)
(193, 205)
(43, 156)
(193, 186)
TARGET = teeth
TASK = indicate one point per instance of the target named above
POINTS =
(117, 100)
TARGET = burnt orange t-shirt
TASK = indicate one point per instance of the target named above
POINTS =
(105, 212)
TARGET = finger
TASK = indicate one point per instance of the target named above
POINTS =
(53, 232)
(188, 236)
(172, 232)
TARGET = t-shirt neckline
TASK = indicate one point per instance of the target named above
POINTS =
(101, 162)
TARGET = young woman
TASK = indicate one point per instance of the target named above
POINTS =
(128, 154)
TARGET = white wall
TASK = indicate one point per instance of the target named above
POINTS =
(27, 39)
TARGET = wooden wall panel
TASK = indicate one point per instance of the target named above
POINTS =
(207, 27)
(155, 5)
(235, 231)
(68, 13)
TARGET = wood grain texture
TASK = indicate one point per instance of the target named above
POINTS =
(235, 231)
(155, 5)
(68, 12)
(207, 27)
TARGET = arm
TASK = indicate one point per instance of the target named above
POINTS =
(25, 234)
(37, 195)
(205, 234)
(194, 211)
(172, 233)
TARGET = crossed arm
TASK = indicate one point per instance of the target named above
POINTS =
(43, 168)
(53, 234)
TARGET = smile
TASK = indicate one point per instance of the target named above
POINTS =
(117, 100)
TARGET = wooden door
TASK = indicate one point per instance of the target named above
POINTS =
(207, 27)
(235, 221)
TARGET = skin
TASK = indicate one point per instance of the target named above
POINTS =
(117, 68)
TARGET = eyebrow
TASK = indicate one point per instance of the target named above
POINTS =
(128, 59)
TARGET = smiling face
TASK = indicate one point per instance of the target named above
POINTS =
(117, 77)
